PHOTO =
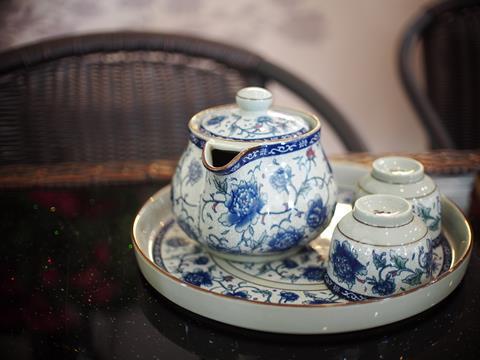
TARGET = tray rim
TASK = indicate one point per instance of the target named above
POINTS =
(452, 269)
(148, 261)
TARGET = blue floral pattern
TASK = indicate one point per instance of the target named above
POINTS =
(285, 239)
(345, 263)
(388, 272)
(314, 273)
(239, 294)
(216, 120)
(288, 296)
(305, 268)
(289, 263)
(384, 284)
(195, 172)
(316, 214)
(429, 211)
(265, 209)
(240, 127)
(428, 208)
(184, 201)
(198, 278)
(383, 287)
(202, 260)
(281, 178)
(244, 204)
(186, 260)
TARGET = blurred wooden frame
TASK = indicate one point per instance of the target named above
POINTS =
(444, 162)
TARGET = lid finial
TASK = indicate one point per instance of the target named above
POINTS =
(254, 99)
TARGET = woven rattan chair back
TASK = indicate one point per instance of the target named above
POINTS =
(449, 34)
(125, 96)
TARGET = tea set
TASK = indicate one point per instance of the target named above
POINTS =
(254, 186)
(259, 230)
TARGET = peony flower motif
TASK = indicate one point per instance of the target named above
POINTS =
(216, 120)
(314, 273)
(316, 214)
(311, 154)
(198, 278)
(187, 228)
(244, 204)
(346, 267)
(281, 178)
(285, 239)
(382, 287)
(288, 296)
(239, 294)
(195, 172)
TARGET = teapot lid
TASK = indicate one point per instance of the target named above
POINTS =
(252, 119)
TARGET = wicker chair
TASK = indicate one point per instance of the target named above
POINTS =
(126, 96)
(449, 33)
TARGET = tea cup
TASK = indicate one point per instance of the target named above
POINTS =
(379, 249)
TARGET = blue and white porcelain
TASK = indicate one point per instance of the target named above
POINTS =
(287, 295)
(254, 183)
(379, 249)
(405, 177)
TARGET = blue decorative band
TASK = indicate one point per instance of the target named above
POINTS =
(262, 151)
(447, 254)
(156, 251)
(200, 143)
(437, 241)
(343, 293)
(268, 138)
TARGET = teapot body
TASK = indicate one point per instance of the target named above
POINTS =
(277, 197)
(188, 184)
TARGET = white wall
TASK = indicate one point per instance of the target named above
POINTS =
(347, 49)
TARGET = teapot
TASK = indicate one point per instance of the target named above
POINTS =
(254, 183)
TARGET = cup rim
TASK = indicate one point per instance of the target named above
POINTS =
(382, 210)
(397, 170)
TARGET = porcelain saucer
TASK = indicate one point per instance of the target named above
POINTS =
(289, 295)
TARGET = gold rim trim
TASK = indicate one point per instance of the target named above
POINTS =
(254, 302)
(406, 198)
(383, 246)
(230, 163)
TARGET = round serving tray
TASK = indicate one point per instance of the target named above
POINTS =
(286, 296)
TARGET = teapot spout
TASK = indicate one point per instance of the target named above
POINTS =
(223, 157)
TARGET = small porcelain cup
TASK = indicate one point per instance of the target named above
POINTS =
(405, 177)
(379, 249)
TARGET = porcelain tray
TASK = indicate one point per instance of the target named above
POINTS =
(289, 295)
